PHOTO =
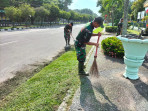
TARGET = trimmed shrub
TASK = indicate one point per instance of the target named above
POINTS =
(146, 30)
(112, 47)
(111, 29)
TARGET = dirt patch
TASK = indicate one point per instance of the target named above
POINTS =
(23, 75)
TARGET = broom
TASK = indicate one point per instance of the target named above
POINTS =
(94, 68)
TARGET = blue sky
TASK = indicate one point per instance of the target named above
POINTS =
(81, 4)
(90, 4)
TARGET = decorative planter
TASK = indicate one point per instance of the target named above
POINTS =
(134, 53)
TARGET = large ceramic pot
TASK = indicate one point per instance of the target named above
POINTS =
(134, 53)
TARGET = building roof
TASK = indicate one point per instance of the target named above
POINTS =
(146, 3)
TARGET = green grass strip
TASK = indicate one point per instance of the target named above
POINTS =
(99, 29)
(133, 32)
(45, 90)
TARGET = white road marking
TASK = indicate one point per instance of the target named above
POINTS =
(7, 43)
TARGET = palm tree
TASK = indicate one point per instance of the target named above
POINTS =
(124, 28)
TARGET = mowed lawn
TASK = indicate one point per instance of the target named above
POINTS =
(45, 90)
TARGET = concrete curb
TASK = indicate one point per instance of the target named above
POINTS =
(37, 27)
(89, 54)
(18, 29)
(64, 105)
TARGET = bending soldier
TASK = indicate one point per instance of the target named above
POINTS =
(67, 32)
(82, 40)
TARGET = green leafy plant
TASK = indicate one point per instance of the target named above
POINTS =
(112, 47)
(111, 28)
(129, 24)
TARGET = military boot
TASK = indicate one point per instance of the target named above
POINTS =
(68, 41)
(81, 69)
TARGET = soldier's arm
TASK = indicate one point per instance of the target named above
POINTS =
(92, 43)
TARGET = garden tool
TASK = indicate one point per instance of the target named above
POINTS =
(94, 68)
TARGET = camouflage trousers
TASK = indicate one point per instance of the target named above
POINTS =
(80, 51)
(66, 36)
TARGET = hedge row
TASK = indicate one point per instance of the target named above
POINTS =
(113, 47)
(111, 28)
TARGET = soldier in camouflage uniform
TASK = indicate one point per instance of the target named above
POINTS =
(67, 31)
(82, 40)
(119, 30)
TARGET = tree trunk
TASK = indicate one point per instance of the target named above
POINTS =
(112, 19)
(124, 27)
(112, 14)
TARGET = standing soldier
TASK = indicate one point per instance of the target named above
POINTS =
(82, 40)
(119, 30)
(67, 32)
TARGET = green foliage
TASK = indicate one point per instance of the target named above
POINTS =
(64, 14)
(48, 10)
(18, 14)
(11, 13)
(146, 30)
(72, 15)
(41, 12)
(133, 32)
(27, 11)
(112, 8)
(46, 89)
(4, 3)
(129, 24)
(112, 47)
(111, 28)
(97, 30)
(54, 11)
(136, 7)
(63, 4)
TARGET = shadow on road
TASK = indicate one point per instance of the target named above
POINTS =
(88, 99)
(141, 87)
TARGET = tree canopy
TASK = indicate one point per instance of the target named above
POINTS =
(112, 10)
(136, 7)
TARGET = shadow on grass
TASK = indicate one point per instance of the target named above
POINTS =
(141, 87)
(88, 100)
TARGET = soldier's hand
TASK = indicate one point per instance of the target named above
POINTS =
(99, 34)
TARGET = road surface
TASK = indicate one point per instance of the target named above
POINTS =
(19, 49)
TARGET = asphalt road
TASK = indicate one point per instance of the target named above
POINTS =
(18, 49)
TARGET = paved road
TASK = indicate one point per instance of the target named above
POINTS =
(21, 48)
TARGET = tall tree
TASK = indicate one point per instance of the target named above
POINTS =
(136, 7)
(4, 3)
(54, 11)
(63, 4)
(41, 13)
(112, 8)
(126, 5)
(27, 11)
(11, 13)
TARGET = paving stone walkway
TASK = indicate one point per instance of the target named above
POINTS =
(111, 91)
